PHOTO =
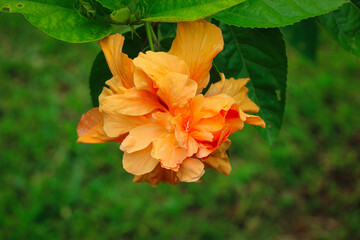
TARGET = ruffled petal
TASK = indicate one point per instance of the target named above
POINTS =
(143, 81)
(139, 162)
(167, 150)
(90, 128)
(197, 43)
(119, 63)
(235, 89)
(158, 175)
(133, 102)
(176, 89)
(141, 137)
(158, 64)
(116, 124)
(255, 120)
(219, 160)
(190, 170)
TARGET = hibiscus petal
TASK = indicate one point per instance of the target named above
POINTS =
(143, 81)
(158, 175)
(197, 43)
(158, 64)
(255, 120)
(190, 170)
(119, 63)
(141, 137)
(90, 128)
(176, 89)
(139, 162)
(168, 151)
(219, 160)
(213, 105)
(235, 89)
(133, 102)
(116, 124)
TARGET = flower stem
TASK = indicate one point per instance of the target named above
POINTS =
(149, 36)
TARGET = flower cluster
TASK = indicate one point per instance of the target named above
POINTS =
(153, 105)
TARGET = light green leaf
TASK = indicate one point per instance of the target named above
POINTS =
(58, 19)
(303, 36)
(275, 13)
(260, 55)
(344, 25)
(114, 4)
(185, 10)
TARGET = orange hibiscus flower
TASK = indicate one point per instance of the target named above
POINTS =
(154, 106)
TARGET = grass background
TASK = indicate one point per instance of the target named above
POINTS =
(306, 187)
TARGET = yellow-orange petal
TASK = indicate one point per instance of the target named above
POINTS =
(133, 102)
(119, 63)
(115, 85)
(176, 89)
(190, 170)
(158, 64)
(235, 89)
(255, 120)
(139, 162)
(116, 124)
(141, 137)
(167, 150)
(219, 160)
(143, 81)
(197, 43)
(90, 128)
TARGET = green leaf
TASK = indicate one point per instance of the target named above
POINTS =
(344, 25)
(303, 36)
(185, 10)
(99, 74)
(113, 4)
(59, 19)
(275, 13)
(260, 55)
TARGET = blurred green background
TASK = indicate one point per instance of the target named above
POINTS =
(306, 187)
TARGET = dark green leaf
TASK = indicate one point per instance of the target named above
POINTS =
(100, 73)
(260, 55)
(303, 36)
(275, 13)
(344, 25)
(185, 10)
(59, 19)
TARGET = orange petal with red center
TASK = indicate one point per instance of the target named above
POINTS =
(158, 64)
(133, 102)
(90, 128)
(190, 170)
(119, 63)
(197, 43)
(219, 160)
(176, 89)
(213, 105)
(116, 124)
(139, 162)
(141, 137)
(168, 151)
